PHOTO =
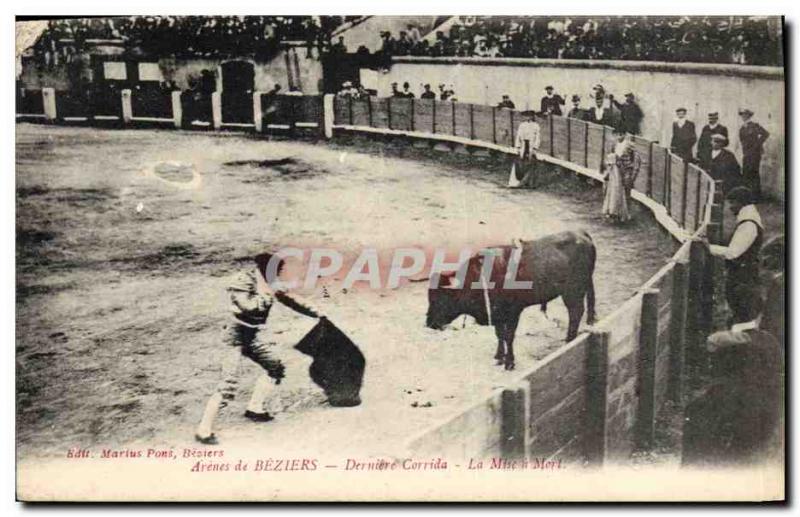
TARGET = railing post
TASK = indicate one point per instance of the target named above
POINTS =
(216, 109)
(327, 114)
(515, 416)
(433, 120)
(586, 144)
(715, 226)
(177, 109)
(389, 112)
(350, 109)
(127, 106)
(667, 182)
(648, 346)
(596, 398)
(700, 302)
(494, 125)
(453, 104)
(677, 332)
(650, 170)
(569, 139)
(603, 149)
(552, 143)
(472, 122)
(513, 140)
(684, 188)
(413, 101)
(698, 219)
(369, 111)
(49, 103)
(258, 114)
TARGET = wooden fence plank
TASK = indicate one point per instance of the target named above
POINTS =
(648, 342)
(597, 396)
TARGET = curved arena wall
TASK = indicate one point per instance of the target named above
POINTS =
(593, 400)
(660, 88)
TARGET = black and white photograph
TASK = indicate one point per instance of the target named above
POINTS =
(420, 258)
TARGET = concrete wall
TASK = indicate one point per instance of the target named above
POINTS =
(659, 89)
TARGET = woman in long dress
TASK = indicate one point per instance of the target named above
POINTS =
(615, 202)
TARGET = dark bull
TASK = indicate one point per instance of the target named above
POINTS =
(556, 265)
(338, 365)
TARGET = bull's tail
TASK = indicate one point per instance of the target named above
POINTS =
(591, 315)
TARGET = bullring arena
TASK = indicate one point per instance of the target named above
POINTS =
(135, 209)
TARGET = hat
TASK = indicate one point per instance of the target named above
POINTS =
(629, 94)
(505, 96)
(427, 85)
(680, 109)
(548, 87)
(719, 138)
(576, 98)
(713, 114)
(745, 111)
(347, 84)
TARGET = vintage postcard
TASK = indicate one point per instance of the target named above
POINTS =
(400, 258)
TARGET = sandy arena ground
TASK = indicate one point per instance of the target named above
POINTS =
(122, 265)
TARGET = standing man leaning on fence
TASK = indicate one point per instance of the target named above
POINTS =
(551, 102)
(704, 143)
(528, 140)
(630, 114)
(723, 165)
(577, 112)
(684, 136)
(742, 256)
(752, 137)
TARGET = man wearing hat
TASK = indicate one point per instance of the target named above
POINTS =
(528, 140)
(630, 114)
(742, 256)
(577, 112)
(683, 136)
(551, 102)
(600, 114)
(427, 93)
(704, 143)
(407, 93)
(752, 137)
(395, 91)
(506, 103)
(723, 165)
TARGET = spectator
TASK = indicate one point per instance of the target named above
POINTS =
(704, 142)
(523, 173)
(741, 256)
(737, 419)
(551, 102)
(576, 112)
(395, 91)
(723, 165)
(615, 202)
(339, 49)
(427, 93)
(751, 138)
(413, 33)
(407, 93)
(446, 93)
(599, 114)
(506, 103)
(630, 114)
(628, 161)
(683, 136)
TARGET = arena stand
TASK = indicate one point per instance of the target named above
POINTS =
(595, 399)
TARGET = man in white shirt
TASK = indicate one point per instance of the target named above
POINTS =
(527, 143)
(741, 256)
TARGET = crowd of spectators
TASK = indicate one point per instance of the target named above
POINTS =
(708, 39)
(198, 36)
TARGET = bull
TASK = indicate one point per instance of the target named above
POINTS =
(560, 264)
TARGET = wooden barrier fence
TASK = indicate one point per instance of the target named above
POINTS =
(596, 398)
